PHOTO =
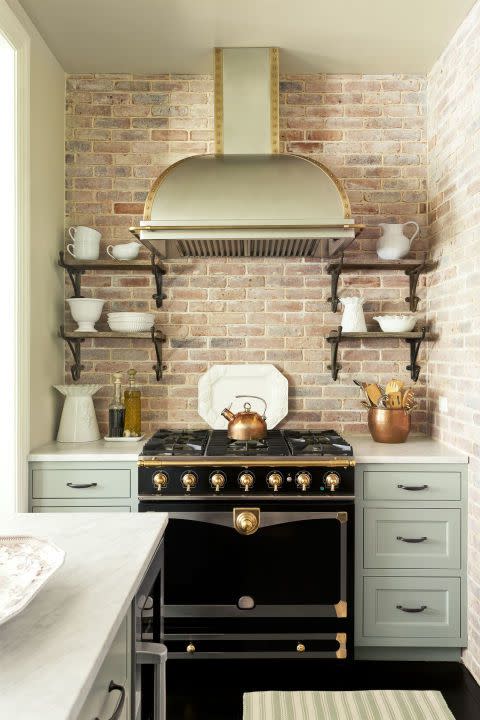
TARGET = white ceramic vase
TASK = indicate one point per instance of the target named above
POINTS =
(78, 422)
(394, 244)
(353, 319)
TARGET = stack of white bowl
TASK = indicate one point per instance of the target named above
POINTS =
(130, 321)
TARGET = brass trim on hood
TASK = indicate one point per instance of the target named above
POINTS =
(218, 100)
(274, 100)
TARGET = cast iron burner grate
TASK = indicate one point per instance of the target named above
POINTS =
(317, 442)
(221, 444)
(176, 442)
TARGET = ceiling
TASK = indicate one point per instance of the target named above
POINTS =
(160, 36)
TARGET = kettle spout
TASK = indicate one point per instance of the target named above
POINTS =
(227, 414)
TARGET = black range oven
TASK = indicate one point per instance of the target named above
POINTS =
(258, 551)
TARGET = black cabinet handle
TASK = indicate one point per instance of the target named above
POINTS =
(412, 487)
(81, 486)
(412, 540)
(412, 610)
(121, 702)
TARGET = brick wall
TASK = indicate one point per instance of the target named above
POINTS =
(123, 130)
(454, 288)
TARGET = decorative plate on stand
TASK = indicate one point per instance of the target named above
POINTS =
(218, 387)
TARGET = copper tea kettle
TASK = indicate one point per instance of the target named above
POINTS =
(246, 424)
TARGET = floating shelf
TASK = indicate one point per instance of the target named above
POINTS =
(76, 268)
(414, 339)
(412, 268)
(74, 341)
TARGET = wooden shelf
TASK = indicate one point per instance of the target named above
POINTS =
(414, 339)
(74, 341)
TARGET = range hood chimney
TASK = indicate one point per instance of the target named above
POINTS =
(247, 199)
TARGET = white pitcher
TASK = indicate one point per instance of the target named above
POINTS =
(394, 244)
(353, 319)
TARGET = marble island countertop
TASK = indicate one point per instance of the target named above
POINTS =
(51, 653)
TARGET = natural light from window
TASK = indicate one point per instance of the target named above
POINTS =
(8, 271)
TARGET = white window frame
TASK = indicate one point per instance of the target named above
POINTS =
(17, 36)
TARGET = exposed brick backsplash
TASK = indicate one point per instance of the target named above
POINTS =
(454, 288)
(123, 130)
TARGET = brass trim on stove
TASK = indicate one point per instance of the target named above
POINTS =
(341, 653)
(214, 461)
(341, 609)
(342, 517)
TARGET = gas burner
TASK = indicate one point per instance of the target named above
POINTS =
(247, 447)
(220, 444)
(176, 442)
(317, 442)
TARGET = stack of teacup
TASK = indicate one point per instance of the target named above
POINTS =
(86, 243)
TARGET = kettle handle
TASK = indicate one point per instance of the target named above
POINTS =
(417, 230)
(255, 397)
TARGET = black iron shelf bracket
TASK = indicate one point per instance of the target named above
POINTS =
(158, 273)
(415, 344)
(335, 270)
(75, 348)
(413, 276)
(74, 273)
(334, 340)
(157, 342)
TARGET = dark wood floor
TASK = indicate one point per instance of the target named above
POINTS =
(213, 691)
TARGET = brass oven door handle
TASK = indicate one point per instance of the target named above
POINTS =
(412, 487)
(412, 610)
(121, 701)
(81, 486)
(412, 540)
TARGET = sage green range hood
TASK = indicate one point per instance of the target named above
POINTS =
(247, 199)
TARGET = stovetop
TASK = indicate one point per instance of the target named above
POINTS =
(278, 443)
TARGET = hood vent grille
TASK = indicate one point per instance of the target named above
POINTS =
(248, 248)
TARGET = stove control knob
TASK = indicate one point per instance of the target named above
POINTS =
(160, 481)
(246, 480)
(303, 480)
(217, 481)
(189, 480)
(332, 481)
(274, 480)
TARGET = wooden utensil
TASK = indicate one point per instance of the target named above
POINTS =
(393, 386)
(373, 393)
(363, 385)
(408, 399)
(394, 400)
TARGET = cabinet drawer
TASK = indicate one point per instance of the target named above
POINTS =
(79, 508)
(78, 483)
(407, 538)
(434, 605)
(411, 486)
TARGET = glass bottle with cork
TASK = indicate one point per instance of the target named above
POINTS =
(116, 409)
(133, 407)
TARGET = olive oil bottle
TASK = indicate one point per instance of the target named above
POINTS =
(133, 407)
(116, 409)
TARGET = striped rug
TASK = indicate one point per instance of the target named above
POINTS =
(347, 705)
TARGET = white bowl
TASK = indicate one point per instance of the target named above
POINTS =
(86, 312)
(131, 316)
(396, 323)
(130, 325)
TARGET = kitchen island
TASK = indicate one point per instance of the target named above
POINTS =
(51, 653)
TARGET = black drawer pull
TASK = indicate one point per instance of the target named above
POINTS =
(81, 486)
(412, 540)
(121, 702)
(412, 610)
(412, 487)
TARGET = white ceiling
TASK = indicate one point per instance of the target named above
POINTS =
(160, 36)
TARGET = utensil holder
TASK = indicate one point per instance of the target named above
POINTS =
(389, 425)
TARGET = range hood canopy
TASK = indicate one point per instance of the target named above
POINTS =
(246, 199)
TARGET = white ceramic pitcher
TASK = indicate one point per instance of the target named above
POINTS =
(394, 244)
(78, 422)
(353, 319)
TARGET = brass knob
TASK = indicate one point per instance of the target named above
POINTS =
(300, 647)
(332, 481)
(246, 481)
(191, 648)
(303, 480)
(246, 522)
(217, 481)
(189, 480)
(160, 480)
(274, 480)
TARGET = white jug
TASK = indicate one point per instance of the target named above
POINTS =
(78, 422)
(124, 251)
(353, 319)
(393, 244)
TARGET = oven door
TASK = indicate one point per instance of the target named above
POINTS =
(263, 561)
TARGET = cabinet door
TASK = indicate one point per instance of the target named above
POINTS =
(409, 538)
(411, 486)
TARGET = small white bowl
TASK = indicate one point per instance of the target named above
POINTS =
(396, 323)
(86, 312)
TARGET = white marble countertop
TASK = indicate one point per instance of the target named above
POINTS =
(417, 449)
(51, 653)
(98, 451)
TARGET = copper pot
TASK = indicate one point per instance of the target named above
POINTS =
(389, 426)
(246, 424)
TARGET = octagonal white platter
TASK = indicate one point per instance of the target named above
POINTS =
(218, 387)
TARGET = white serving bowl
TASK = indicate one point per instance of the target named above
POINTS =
(396, 323)
(130, 321)
(86, 312)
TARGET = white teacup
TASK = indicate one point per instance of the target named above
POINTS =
(124, 251)
(86, 243)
